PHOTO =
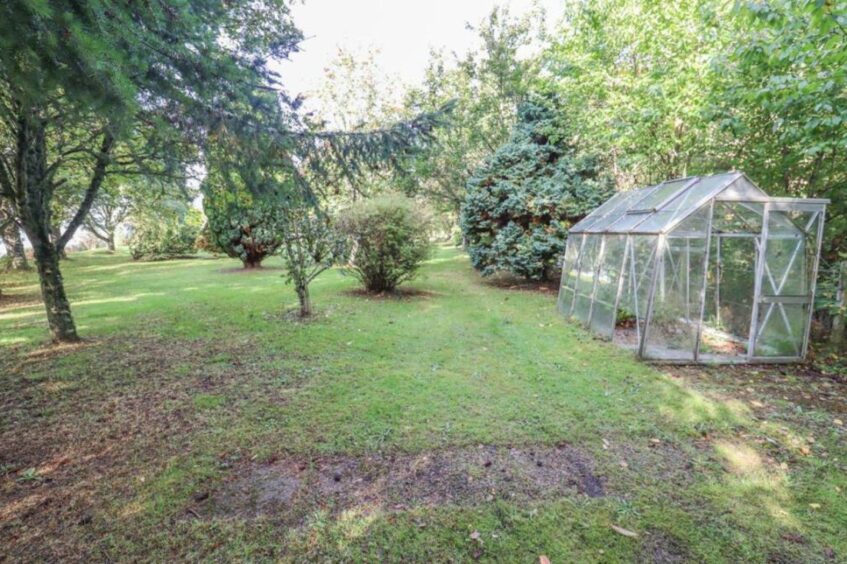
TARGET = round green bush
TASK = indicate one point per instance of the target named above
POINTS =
(390, 240)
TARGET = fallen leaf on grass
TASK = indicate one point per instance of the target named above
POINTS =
(475, 535)
(624, 532)
(838, 422)
(815, 505)
(543, 560)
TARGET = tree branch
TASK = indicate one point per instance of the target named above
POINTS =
(97, 176)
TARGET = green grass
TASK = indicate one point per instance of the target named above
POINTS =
(192, 374)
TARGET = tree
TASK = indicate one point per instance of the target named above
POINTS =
(10, 233)
(311, 246)
(111, 208)
(245, 192)
(524, 198)
(487, 84)
(116, 88)
(779, 93)
(634, 77)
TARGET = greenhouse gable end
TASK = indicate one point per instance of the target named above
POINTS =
(699, 269)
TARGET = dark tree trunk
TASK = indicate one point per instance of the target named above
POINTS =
(110, 242)
(55, 236)
(252, 262)
(11, 236)
(32, 197)
(305, 301)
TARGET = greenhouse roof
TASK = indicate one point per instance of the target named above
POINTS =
(660, 208)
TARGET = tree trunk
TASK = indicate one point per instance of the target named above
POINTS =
(33, 206)
(837, 336)
(251, 263)
(55, 236)
(56, 303)
(14, 247)
(110, 242)
(305, 301)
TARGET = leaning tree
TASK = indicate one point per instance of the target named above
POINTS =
(89, 89)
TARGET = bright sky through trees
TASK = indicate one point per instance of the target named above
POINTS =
(403, 31)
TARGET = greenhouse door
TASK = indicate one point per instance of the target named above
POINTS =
(786, 268)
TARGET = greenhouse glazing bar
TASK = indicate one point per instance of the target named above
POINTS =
(705, 281)
(816, 265)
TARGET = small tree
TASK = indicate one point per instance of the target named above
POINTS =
(311, 246)
(522, 200)
(112, 206)
(390, 237)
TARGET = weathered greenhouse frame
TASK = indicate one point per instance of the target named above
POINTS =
(698, 269)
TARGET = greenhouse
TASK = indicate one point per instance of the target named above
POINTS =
(699, 269)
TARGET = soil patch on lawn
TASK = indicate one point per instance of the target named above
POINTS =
(508, 282)
(401, 293)
(291, 488)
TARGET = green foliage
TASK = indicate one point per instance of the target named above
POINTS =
(781, 94)
(523, 199)
(164, 234)
(634, 76)
(390, 237)
(487, 85)
(242, 225)
(311, 246)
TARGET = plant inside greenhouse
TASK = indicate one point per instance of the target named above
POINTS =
(697, 269)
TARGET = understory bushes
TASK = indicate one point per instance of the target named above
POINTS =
(390, 238)
(164, 235)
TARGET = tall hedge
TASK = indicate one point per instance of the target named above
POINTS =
(522, 200)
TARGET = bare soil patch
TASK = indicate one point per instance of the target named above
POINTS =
(290, 488)
(509, 282)
(401, 293)
(246, 271)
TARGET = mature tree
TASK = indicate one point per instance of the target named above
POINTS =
(487, 84)
(247, 186)
(524, 198)
(311, 246)
(105, 87)
(634, 77)
(781, 93)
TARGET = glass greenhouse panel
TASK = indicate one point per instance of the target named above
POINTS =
(569, 273)
(608, 280)
(591, 251)
(675, 319)
(635, 290)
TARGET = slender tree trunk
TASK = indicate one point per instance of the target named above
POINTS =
(14, 247)
(33, 194)
(305, 301)
(110, 242)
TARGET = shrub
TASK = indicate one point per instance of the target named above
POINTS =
(164, 235)
(390, 238)
(522, 200)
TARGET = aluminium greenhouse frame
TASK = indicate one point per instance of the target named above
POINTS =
(697, 269)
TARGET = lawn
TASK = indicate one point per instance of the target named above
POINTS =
(463, 419)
